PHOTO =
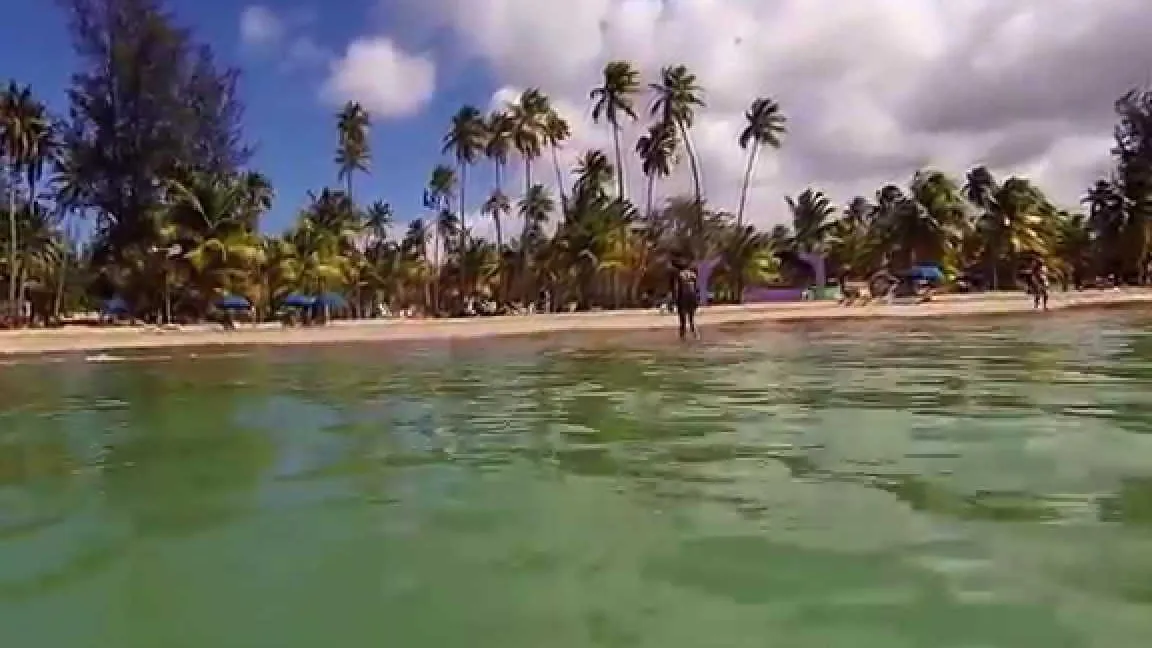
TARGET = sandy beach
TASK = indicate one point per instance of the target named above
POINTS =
(90, 339)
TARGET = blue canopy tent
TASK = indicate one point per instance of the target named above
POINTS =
(926, 272)
(233, 303)
(331, 301)
(114, 306)
(296, 300)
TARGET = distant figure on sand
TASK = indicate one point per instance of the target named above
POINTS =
(1038, 284)
(686, 295)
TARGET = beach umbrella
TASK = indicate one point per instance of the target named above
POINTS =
(233, 302)
(114, 306)
(296, 300)
(926, 272)
(331, 301)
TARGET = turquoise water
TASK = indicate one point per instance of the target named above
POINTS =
(856, 485)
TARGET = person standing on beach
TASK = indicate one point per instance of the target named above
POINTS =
(686, 295)
(1038, 280)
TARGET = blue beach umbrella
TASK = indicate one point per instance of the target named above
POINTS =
(331, 301)
(233, 302)
(114, 306)
(926, 272)
(296, 300)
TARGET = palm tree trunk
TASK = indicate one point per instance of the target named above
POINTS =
(12, 247)
(463, 230)
(167, 293)
(524, 235)
(436, 270)
(463, 168)
(559, 179)
(650, 200)
(694, 165)
(747, 181)
(619, 161)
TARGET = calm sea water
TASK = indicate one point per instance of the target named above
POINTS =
(861, 485)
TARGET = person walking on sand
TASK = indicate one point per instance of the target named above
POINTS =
(1038, 282)
(686, 295)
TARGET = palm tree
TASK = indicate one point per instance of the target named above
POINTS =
(593, 172)
(70, 194)
(812, 219)
(528, 115)
(495, 207)
(657, 151)
(441, 186)
(677, 98)
(25, 133)
(980, 189)
(378, 219)
(1020, 222)
(353, 153)
(614, 100)
(557, 131)
(764, 128)
(850, 245)
(535, 208)
(499, 129)
(207, 219)
(1106, 217)
(465, 141)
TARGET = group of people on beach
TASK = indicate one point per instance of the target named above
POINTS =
(684, 288)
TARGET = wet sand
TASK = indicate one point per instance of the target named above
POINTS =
(89, 339)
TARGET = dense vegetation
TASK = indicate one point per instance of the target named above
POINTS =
(151, 153)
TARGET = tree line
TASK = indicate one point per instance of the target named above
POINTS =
(151, 155)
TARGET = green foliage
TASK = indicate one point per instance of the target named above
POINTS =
(152, 151)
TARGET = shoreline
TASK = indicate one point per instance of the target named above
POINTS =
(95, 340)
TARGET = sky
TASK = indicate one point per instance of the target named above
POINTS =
(873, 89)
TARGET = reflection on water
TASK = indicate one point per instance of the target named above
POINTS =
(858, 485)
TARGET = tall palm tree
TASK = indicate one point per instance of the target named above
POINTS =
(495, 208)
(535, 208)
(677, 97)
(71, 196)
(441, 186)
(765, 126)
(353, 152)
(529, 113)
(557, 131)
(657, 151)
(465, 141)
(24, 133)
(615, 99)
(498, 128)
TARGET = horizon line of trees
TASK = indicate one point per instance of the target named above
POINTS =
(152, 153)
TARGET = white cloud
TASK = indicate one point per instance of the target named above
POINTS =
(269, 34)
(260, 27)
(386, 80)
(872, 88)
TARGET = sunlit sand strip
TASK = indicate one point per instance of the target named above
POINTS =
(104, 340)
